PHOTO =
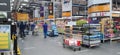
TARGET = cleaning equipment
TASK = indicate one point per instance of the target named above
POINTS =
(92, 36)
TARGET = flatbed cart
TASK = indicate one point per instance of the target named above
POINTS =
(91, 41)
(69, 41)
(92, 36)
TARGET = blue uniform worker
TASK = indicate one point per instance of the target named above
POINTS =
(45, 29)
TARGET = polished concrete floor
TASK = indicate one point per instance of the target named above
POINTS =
(37, 45)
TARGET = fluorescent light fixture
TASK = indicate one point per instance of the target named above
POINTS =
(11, 4)
(26, 0)
(23, 4)
(13, 0)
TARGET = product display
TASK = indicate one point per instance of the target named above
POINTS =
(5, 37)
(60, 26)
(106, 25)
(53, 30)
(92, 35)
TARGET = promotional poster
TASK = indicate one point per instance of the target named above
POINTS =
(5, 37)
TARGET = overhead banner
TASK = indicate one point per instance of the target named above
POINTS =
(66, 8)
(5, 5)
(41, 12)
(57, 9)
(36, 13)
(99, 8)
(115, 15)
(66, 5)
(22, 17)
(5, 34)
(66, 14)
(34, 4)
(92, 2)
(99, 14)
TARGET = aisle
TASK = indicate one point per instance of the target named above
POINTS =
(37, 45)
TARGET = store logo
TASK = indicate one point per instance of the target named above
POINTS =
(66, 1)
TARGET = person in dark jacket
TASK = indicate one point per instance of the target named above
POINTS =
(27, 28)
(14, 32)
(45, 29)
(22, 28)
(13, 29)
(33, 27)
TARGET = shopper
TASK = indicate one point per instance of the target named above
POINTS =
(14, 36)
(22, 29)
(13, 28)
(18, 24)
(27, 28)
(45, 29)
(33, 27)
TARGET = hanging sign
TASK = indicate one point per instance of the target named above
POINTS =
(22, 16)
(34, 4)
(99, 8)
(66, 5)
(93, 2)
(4, 5)
(99, 14)
(41, 12)
(66, 8)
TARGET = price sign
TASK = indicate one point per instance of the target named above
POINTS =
(5, 37)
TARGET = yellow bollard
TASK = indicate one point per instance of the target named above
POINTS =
(18, 51)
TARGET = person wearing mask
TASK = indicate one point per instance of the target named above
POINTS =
(45, 29)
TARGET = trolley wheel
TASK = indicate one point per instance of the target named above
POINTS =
(74, 49)
(89, 46)
(63, 45)
(79, 49)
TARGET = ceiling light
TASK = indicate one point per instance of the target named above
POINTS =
(12, 0)
(23, 4)
(11, 4)
(26, 0)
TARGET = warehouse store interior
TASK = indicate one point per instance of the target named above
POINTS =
(59, 27)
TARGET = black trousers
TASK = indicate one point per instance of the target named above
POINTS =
(15, 46)
(22, 34)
